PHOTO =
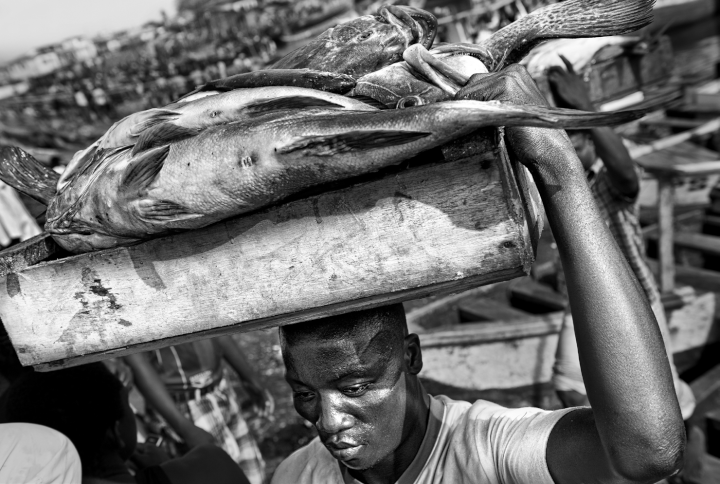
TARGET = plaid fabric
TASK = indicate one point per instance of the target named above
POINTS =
(621, 214)
(218, 413)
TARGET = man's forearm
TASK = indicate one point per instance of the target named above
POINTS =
(622, 356)
(153, 389)
(238, 362)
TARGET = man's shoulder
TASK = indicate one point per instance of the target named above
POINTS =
(311, 463)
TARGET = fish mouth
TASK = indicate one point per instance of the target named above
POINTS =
(416, 25)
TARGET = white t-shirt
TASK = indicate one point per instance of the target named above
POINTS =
(480, 443)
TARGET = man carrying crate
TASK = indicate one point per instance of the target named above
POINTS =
(355, 376)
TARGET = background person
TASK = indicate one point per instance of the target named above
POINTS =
(193, 403)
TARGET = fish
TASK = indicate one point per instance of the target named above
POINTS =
(181, 120)
(308, 78)
(184, 119)
(239, 167)
(365, 44)
(571, 19)
(400, 81)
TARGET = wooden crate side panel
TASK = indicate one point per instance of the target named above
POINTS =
(439, 227)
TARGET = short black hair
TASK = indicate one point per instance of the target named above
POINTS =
(387, 319)
(81, 402)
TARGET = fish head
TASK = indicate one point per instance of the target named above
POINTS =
(365, 44)
(392, 83)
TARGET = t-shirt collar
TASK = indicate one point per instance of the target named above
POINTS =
(435, 420)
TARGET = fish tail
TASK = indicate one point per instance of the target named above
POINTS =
(24, 173)
(569, 19)
(513, 115)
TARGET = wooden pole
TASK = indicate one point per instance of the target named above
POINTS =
(666, 193)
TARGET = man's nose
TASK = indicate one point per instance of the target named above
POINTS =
(333, 418)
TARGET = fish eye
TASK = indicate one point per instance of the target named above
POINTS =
(365, 35)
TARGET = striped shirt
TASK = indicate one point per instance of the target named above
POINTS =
(189, 366)
(621, 214)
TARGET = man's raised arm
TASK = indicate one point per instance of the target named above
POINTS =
(634, 431)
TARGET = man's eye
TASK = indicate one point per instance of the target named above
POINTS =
(355, 390)
(304, 396)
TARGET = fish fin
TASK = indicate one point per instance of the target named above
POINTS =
(163, 211)
(289, 102)
(329, 145)
(568, 19)
(24, 173)
(369, 101)
(144, 168)
(162, 134)
(154, 117)
(590, 18)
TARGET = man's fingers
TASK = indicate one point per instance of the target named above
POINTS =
(567, 63)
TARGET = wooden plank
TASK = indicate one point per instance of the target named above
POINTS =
(482, 333)
(671, 122)
(700, 279)
(707, 244)
(666, 191)
(438, 228)
(531, 291)
(708, 127)
(712, 220)
(26, 254)
(484, 309)
(707, 384)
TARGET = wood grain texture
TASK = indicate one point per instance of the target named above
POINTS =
(438, 228)
(26, 254)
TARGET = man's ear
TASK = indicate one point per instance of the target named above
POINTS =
(413, 354)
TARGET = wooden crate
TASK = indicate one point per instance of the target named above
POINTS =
(444, 226)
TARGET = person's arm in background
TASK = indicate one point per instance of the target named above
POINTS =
(634, 432)
(151, 386)
(232, 353)
(570, 91)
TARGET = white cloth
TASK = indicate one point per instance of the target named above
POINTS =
(33, 454)
(464, 444)
(578, 51)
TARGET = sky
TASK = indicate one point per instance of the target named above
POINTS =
(25, 24)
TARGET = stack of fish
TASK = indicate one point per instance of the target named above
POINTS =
(318, 115)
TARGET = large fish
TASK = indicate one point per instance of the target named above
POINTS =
(571, 19)
(364, 44)
(239, 167)
(158, 126)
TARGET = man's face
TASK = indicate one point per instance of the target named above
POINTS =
(354, 391)
(584, 147)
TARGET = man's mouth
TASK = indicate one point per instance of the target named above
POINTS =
(344, 451)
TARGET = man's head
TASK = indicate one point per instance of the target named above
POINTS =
(584, 147)
(354, 376)
(86, 403)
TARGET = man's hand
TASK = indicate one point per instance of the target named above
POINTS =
(195, 436)
(546, 150)
(262, 400)
(569, 90)
(148, 455)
